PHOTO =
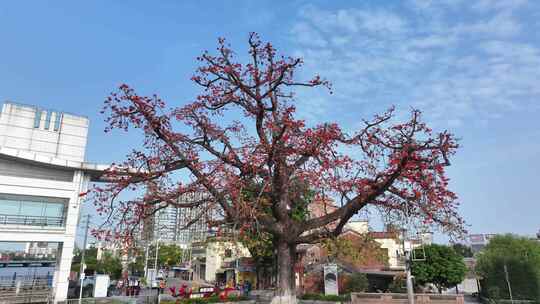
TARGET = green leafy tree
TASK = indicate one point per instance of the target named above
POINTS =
(90, 259)
(521, 257)
(357, 282)
(463, 250)
(169, 255)
(443, 267)
(109, 264)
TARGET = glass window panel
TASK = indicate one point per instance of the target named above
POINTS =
(28, 198)
(9, 207)
(57, 121)
(31, 208)
(37, 118)
(48, 119)
(54, 210)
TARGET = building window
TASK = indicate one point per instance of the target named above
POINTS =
(48, 120)
(37, 118)
(228, 253)
(32, 210)
(58, 121)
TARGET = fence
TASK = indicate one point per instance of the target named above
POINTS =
(506, 301)
(34, 297)
(27, 220)
(114, 300)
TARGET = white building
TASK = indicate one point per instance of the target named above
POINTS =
(42, 173)
(40, 249)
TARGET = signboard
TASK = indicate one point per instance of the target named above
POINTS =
(206, 289)
(331, 279)
(101, 285)
(246, 265)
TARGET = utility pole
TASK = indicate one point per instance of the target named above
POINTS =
(508, 283)
(156, 259)
(146, 263)
(82, 257)
(408, 262)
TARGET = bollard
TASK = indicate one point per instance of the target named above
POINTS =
(18, 287)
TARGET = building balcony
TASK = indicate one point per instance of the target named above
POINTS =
(28, 220)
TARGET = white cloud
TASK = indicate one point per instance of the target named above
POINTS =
(353, 20)
(442, 57)
(307, 35)
(501, 25)
(488, 5)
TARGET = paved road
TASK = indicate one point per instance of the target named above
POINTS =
(471, 300)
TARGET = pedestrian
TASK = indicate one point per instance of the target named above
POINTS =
(247, 288)
(137, 287)
(182, 291)
(161, 286)
(240, 287)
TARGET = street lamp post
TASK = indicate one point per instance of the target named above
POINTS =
(82, 257)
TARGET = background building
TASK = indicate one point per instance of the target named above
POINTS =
(40, 249)
(479, 241)
(180, 226)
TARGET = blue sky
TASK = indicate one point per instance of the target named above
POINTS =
(472, 67)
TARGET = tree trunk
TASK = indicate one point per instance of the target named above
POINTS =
(286, 255)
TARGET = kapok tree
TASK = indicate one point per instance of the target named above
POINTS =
(242, 131)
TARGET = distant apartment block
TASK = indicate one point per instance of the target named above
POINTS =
(178, 225)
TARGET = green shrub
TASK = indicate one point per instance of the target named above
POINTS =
(357, 282)
(213, 299)
(322, 297)
(398, 285)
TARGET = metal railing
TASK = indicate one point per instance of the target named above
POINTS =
(29, 220)
(38, 297)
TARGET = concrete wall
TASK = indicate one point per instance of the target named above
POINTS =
(29, 128)
(401, 298)
(393, 248)
(358, 226)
